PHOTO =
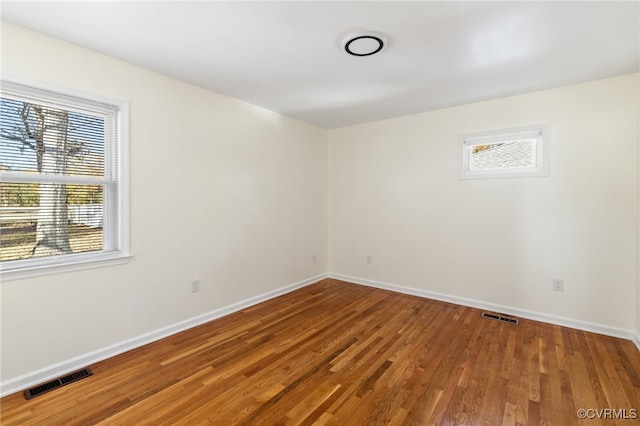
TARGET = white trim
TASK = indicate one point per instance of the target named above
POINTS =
(52, 371)
(19, 177)
(488, 138)
(115, 247)
(123, 129)
(522, 313)
(78, 262)
(20, 80)
(636, 340)
(541, 168)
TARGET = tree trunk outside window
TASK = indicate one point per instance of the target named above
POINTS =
(52, 231)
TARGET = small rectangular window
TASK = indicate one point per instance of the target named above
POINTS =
(61, 186)
(505, 153)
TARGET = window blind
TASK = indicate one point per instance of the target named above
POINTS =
(58, 176)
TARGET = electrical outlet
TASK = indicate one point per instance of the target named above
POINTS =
(558, 285)
(195, 286)
(314, 258)
(369, 259)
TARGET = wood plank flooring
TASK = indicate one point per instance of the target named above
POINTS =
(342, 354)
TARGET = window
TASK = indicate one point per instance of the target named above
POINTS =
(507, 153)
(62, 181)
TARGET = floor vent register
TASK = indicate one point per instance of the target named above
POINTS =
(57, 383)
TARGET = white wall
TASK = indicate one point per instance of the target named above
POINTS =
(249, 207)
(221, 190)
(395, 195)
(637, 338)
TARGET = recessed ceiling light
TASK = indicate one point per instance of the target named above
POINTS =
(364, 44)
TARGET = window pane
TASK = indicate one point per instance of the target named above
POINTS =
(60, 187)
(47, 219)
(40, 139)
(504, 155)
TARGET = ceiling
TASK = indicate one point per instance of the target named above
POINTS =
(287, 56)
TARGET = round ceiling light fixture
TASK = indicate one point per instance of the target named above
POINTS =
(364, 44)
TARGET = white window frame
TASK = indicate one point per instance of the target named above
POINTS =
(115, 247)
(540, 132)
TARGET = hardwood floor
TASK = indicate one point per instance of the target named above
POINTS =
(342, 354)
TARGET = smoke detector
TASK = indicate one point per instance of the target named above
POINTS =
(364, 44)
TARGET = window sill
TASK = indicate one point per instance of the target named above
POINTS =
(504, 174)
(58, 268)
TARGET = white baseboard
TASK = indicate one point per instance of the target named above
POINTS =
(636, 340)
(517, 312)
(28, 380)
